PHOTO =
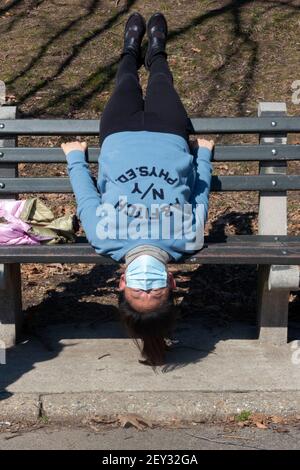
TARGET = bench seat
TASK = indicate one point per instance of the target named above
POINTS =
(236, 249)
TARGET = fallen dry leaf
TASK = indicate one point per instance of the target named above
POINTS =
(100, 420)
(260, 425)
(277, 419)
(134, 420)
(242, 424)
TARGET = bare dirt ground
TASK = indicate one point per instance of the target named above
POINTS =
(59, 60)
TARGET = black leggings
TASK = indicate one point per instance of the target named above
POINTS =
(161, 111)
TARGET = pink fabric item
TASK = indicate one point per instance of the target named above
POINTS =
(12, 206)
(15, 232)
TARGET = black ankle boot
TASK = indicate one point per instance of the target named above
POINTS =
(134, 31)
(157, 32)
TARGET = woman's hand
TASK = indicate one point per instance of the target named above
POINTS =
(69, 146)
(202, 143)
(206, 143)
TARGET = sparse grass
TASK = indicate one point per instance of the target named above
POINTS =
(44, 419)
(242, 416)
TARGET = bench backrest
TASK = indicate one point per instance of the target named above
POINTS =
(272, 128)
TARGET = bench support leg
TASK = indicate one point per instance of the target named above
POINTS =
(10, 277)
(272, 309)
(10, 304)
(273, 304)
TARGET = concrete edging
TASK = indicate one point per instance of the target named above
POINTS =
(158, 406)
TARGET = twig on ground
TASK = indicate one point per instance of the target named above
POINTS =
(104, 355)
(224, 442)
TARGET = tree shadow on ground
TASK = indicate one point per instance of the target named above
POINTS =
(241, 45)
(17, 17)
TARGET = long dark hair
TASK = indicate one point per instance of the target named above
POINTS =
(152, 328)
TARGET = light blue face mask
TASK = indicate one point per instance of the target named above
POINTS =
(146, 272)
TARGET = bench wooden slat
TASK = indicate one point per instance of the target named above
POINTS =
(222, 153)
(224, 125)
(235, 250)
(272, 183)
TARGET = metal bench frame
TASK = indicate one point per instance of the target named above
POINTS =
(276, 255)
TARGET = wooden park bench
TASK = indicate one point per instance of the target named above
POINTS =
(276, 254)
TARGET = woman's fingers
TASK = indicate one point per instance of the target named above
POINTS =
(205, 143)
(69, 146)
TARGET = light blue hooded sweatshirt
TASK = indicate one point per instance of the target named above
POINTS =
(139, 169)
